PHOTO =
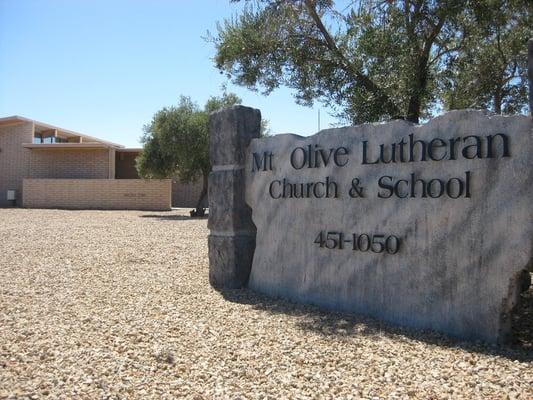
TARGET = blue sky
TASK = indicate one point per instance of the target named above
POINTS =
(103, 68)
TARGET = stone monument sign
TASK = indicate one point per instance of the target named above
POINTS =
(428, 226)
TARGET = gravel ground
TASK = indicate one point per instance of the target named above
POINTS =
(105, 304)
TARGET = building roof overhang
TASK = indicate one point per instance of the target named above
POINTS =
(41, 126)
(64, 146)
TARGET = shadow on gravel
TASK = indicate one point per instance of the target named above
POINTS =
(328, 323)
(522, 320)
(164, 217)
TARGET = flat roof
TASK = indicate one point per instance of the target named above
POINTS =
(56, 146)
(17, 119)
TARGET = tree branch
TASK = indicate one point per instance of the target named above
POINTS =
(366, 82)
(442, 52)
(511, 76)
(433, 35)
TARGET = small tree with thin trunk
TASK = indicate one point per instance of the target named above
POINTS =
(176, 143)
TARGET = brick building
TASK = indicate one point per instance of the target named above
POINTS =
(43, 166)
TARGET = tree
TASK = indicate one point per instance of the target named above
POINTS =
(372, 61)
(491, 71)
(176, 143)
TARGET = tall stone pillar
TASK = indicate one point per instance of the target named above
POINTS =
(232, 233)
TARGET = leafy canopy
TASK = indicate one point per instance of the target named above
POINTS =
(176, 142)
(490, 71)
(369, 60)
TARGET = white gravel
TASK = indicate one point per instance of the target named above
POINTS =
(106, 304)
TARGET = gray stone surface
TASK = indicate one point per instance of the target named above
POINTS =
(228, 210)
(232, 232)
(231, 130)
(230, 259)
(459, 266)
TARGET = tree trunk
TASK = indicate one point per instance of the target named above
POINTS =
(199, 209)
(498, 100)
(418, 88)
(413, 112)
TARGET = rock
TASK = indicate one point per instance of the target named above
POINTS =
(231, 130)
(232, 237)
(227, 208)
(442, 234)
(230, 259)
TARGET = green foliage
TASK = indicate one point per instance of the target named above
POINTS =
(491, 70)
(371, 61)
(265, 128)
(176, 142)
(226, 100)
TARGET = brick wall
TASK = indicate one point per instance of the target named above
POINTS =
(14, 159)
(125, 165)
(186, 194)
(107, 194)
(69, 163)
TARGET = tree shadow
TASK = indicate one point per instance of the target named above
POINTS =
(173, 217)
(328, 323)
(522, 320)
